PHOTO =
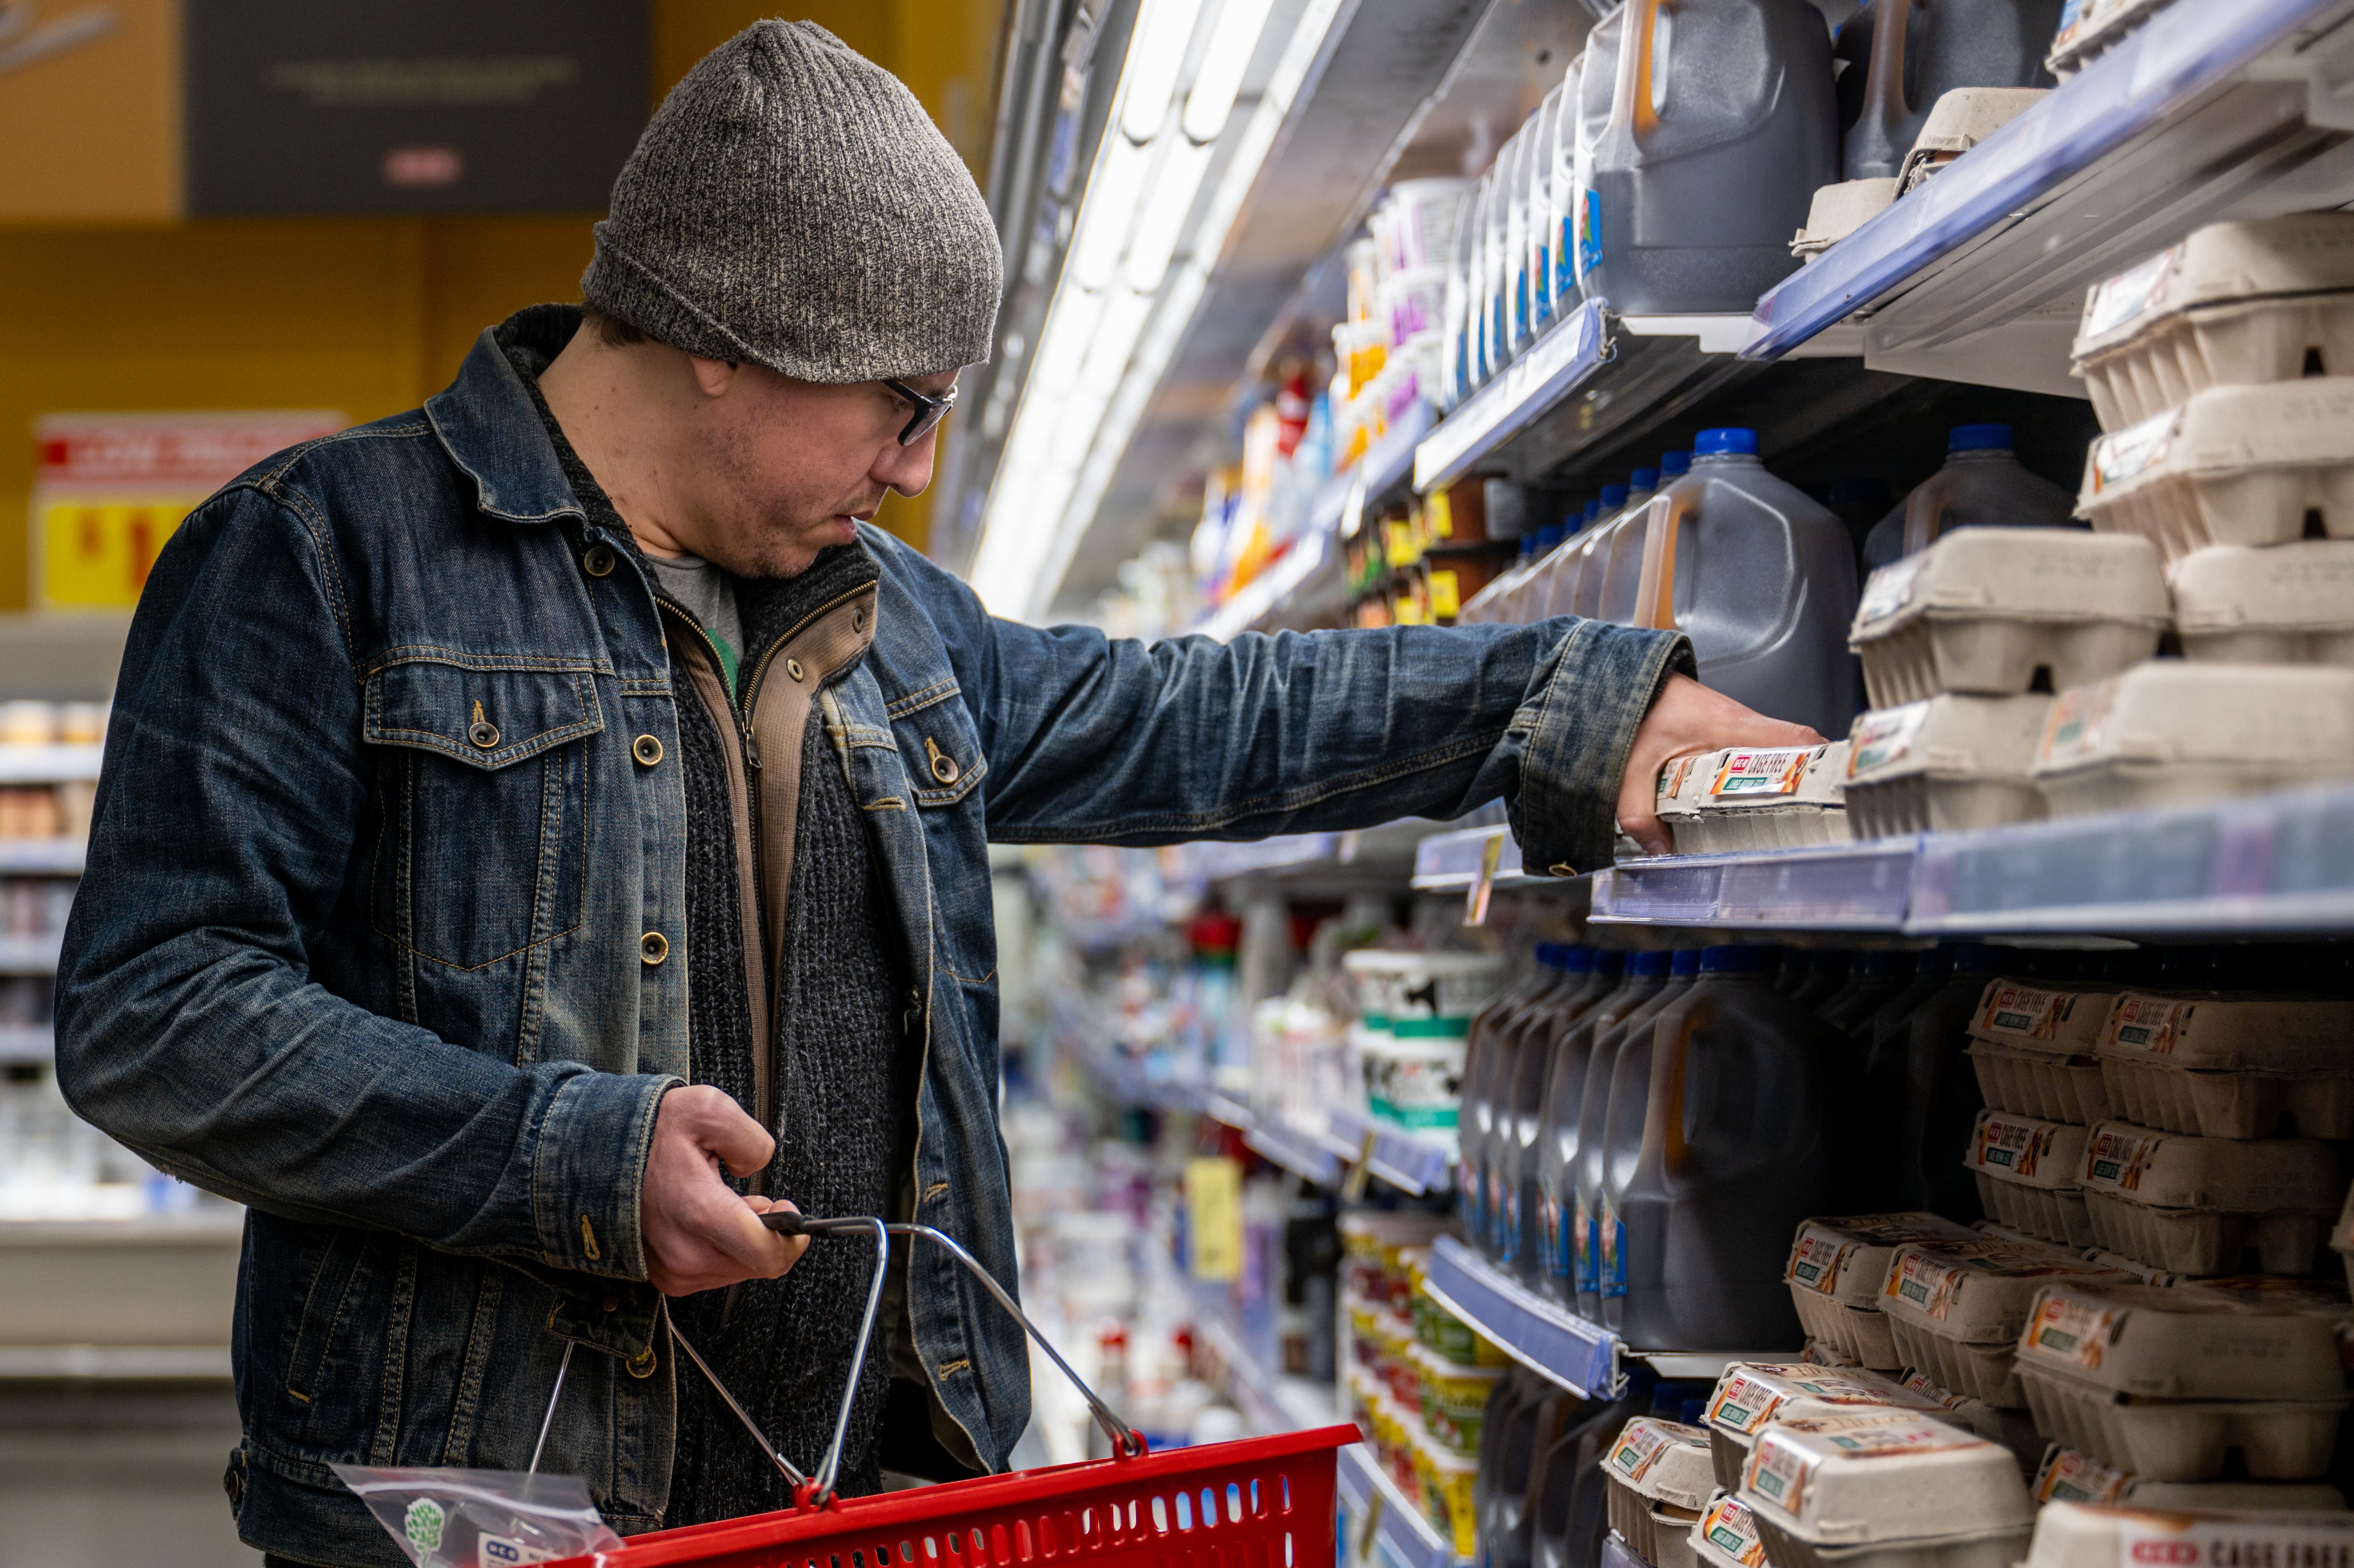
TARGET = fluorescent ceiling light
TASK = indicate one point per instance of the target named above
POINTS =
(1232, 40)
(1106, 211)
(1160, 223)
(1123, 317)
(1156, 50)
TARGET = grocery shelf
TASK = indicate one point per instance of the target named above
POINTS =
(115, 1363)
(1450, 863)
(1572, 349)
(1405, 1538)
(27, 1043)
(48, 764)
(61, 857)
(1269, 1400)
(1306, 1153)
(2206, 112)
(1847, 887)
(1417, 1163)
(1583, 1357)
(31, 955)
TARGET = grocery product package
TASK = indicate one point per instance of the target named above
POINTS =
(482, 1519)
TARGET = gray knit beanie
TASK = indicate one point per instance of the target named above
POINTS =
(791, 204)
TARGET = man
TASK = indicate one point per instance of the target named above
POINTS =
(518, 811)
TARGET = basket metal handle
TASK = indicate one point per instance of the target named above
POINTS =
(815, 1491)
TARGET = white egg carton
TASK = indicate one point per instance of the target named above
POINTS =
(1661, 1475)
(1752, 799)
(2032, 1046)
(1944, 764)
(1749, 1395)
(2234, 465)
(1961, 119)
(2087, 1535)
(1836, 1269)
(2287, 604)
(2026, 1172)
(1838, 211)
(2065, 1474)
(2014, 1429)
(2235, 304)
(1957, 1310)
(2089, 29)
(2171, 733)
(1726, 1534)
(2200, 1205)
(1891, 1491)
(1982, 609)
(2230, 1066)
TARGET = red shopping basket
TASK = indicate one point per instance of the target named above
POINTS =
(1260, 1502)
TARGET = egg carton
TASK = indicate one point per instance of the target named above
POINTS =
(1836, 1269)
(2184, 1440)
(2252, 1339)
(1944, 764)
(2197, 1241)
(1957, 1310)
(2064, 1475)
(2084, 1535)
(1751, 1395)
(1856, 1336)
(2201, 1205)
(2290, 604)
(1660, 1477)
(1959, 121)
(1726, 1535)
(2089, 29)
(1821, 1353)
(2171, 733)
(1983, 609)
(1657, 1535)
(1894, 1490)
(2341, 1239)
(2234, 465)
(2235, 304)
(2014, 1429)
(1838, 211)
(1752, 799)
(2230, 1066)
(2026, 1171)
(2055, 1087)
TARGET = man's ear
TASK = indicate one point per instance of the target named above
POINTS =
(714, 376)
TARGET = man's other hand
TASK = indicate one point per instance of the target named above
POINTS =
(700, 1233)
(1687, 719)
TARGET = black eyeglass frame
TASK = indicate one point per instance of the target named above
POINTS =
(929, 411)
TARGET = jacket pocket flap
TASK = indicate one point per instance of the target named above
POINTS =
(484, 718)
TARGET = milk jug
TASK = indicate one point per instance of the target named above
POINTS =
(1921, 50)
(1925, 1096)
(1600, 1003)
(1623, 575)
(1722, 125)
(1982, 485)
(1479, 1104)
(1632, 1037)
(1573, 969)
(1556, 1145)
(1598, 84)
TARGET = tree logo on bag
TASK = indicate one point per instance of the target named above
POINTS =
(423, 1524)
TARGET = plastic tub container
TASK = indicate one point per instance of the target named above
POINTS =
(2230, 1066)
(2203, 1205)
(1944, 764)
(1660, 1475)
(2026, 1172)
(1777, 798)
(1749, 1395)
(2167, 1381)
(2290, 604)
(1982, 609)
(1455, 1400)
(1418, 1012)
(2066, 1476)
(1902, 1493)
(2235, 304)
(2234, 465)
(1957, 1310)
(1837, 1266)
(1726, 1535)
(2032, 1049)
(2170, 733)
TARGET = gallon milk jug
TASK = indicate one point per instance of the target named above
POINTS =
(1624, 574)
(1481, 1048)
(1595, 571)
(1573, 967)
(1871, 982)
(1633, 1036)
(1924, 1094)
(1512, 1145)
(1556, 1149)
(1567, 1505)
(1515, 1393)
(1760, 578)
(1982, 485)
(1598, 84)
(1722, 125)
(1503, 1515)
(1455, 374)
(1582, 584)
(1922, 51)
(1512, 275)
(1715, 1161)
(1826, 972)
(1544, 218)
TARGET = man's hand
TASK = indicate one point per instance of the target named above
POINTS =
(700, 1234)
(1687, 719)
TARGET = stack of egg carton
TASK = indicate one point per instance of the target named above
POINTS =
(1660, 1476)
(2033, 1046)
(1751, 798)
(2222, 371)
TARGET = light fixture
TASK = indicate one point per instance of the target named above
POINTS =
(1161, 222)
(1234, 38)
(1148, 74)
(1108, 212)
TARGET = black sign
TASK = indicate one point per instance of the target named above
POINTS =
(365, 106)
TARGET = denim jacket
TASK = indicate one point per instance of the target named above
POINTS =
(362, 943)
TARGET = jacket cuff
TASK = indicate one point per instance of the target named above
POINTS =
(1580, 721)
(589, 1170)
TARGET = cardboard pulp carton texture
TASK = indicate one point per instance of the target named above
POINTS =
(1836, 1269)
(2235, 304)
(2026, 1172)
(2170, 733)
(2169, 1382)
(2088, 1535)
(2234, 465)
(1751, 798)
(1660, 1476)
(1752, 1395)
(2210, 1205)
(1910, 1492)
(1957, 1310)
(1944, 764)
(1982, 609)
(2014, 1429)
(2032, 1046)
(2231, 1066)
(2063, 1475)
(2287, 604)
(1961, 119)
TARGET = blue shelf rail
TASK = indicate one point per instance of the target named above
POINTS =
(1584, 1357)
(1572, 349)
(1401, 1536)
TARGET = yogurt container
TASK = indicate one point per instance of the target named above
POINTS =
(1777, 798)
(1836, 1269)
(1753, 1394)
(2230, 1066)
(2210, 1205)
(1957, 1310)
(1944, 764)
(2288, 604)
(2234, 465)
(1417, 1013)
(2031, 1045)
(1660, 1475)
(1982, 609)
(1890, 1491)
(1726, 1535)
(2170, 733)
(2026, 1172)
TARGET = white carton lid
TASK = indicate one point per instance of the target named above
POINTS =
(2224, 431)
(2183, 1342)
(2211, 1031)
(1666, 1461)
(2062, 1019)
(1745, 777)
(2169, 709)
(2089, 1535)
(1853, 1478)
(2035, 573)
(1980, 1293)
(1684, 782)
(1846, 1257)
(1751, 1394)
(1950, 736)
(2029, 1152)
(2304, 586)
(2303, 253)
(2228, 1175)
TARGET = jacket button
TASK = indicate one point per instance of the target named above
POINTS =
(596, 560)
(642, 1364)
(794, 668)
(647, 749)
(482, 732)
(944, 767)
(857, 621)
(653, 947)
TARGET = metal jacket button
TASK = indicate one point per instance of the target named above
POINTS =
(647, 749)
(596, 560)
(653, 947)
(944, 767)
(794, 668)
(483, 732)
(857, 621)
(642, 1364)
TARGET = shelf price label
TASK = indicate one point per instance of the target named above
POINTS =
(1214, 1218)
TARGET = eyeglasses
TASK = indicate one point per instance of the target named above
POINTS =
(929, 411)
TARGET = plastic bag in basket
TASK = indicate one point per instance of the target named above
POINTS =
(482, 1519)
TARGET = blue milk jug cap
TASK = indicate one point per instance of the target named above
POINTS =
(1686, 961)
(1607, 962)
(1643, 479)
(1529, 544)
(1549, 953)
(1569, 956)
(1551, 534)
(1729, 440)
(1978, 439)
(1614, 495)
(1737, 958)
(1593, 507)
(1649, 963)
(1675, 463)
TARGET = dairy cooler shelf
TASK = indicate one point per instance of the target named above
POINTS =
(22, 764)
(34, 857)
(1402, 1535)
(1269, 1400)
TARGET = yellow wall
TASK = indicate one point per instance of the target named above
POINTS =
(368, 316)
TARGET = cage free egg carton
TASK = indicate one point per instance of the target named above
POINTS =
(2171, 733)
(2026, 1172)
(2032, 1046)
(2210, 1205)
(1836, 1269)
(1726, 1535)
(2090, 1535)
(2014, 1429)
(2064, 1475)
(1751, 798)
(1749, 1395)
(2235, 304)
(2234, 465)
(2169, 1382)
(1982, 609)
(2290, 604)
(2231, 1066)
(1660, 1476)
(1893, 1491)
(1957, 1310)
(1944, 764)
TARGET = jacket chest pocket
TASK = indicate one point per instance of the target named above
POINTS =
(941, 751)
(482, 848)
